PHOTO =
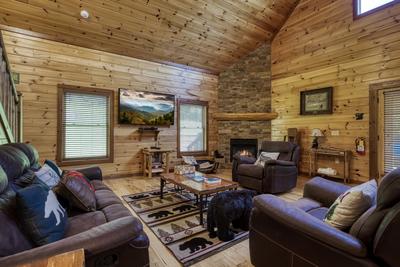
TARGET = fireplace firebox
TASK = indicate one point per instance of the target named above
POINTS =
(246, 147)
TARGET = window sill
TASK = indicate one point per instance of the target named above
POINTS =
(88, 161)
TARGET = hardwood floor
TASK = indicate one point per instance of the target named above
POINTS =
(160, 256)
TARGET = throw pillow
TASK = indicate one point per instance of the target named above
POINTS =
(349, 206)
(42, 217)
(265, 156)
(77, 190)
(48, 176)
(54, 166)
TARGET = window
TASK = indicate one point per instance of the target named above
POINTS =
(365, 7)
(192, 127)
(85, 125)
(390, 131)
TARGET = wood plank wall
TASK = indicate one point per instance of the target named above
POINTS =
(319, 46)
(44, 64)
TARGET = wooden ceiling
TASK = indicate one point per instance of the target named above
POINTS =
(202, 34)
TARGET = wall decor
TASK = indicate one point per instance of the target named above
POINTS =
(317, 101)
(145, 108)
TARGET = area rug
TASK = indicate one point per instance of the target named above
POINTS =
(175, 221)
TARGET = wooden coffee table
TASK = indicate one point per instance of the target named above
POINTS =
(199, 189)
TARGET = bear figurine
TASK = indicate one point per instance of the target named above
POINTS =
(226, 208)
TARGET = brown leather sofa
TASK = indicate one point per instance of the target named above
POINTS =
(276, 176)
(110, 236)
(293, 234)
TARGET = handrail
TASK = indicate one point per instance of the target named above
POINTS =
(10, 104)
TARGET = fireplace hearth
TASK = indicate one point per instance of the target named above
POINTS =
(246, 147)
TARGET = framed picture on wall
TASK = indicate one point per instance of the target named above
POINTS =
(317, 101)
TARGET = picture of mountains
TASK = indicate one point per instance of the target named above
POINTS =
(146, 108)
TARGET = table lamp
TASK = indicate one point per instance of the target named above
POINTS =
(316, 133)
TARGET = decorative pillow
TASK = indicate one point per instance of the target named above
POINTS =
(54, 166)
(42, 217)
(265, 156)
(349, 206)
(48, 176)
(77, 190)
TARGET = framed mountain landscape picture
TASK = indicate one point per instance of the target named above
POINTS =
(145, 108)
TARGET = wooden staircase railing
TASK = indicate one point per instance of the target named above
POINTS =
(10, 102)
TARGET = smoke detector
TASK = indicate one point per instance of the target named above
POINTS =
(84, 14)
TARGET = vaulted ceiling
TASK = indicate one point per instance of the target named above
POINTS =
(204, 34)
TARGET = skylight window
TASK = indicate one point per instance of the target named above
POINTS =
(365, 7)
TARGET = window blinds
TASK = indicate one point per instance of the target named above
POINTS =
(192, 128)
(391, 130)
(85, 126)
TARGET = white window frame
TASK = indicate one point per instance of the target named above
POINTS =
(203, 104)
(357, 8)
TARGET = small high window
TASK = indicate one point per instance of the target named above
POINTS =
(365, 7)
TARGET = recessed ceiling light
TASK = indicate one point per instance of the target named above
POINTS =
(84, 14)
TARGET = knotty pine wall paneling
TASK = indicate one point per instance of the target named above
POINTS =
(44, 64)
(319, 46)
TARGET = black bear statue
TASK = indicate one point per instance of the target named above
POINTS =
(226, 208)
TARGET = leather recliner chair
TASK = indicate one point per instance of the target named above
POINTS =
(276, 176)
(294, 235)
(110, 236)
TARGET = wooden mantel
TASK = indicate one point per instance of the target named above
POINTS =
(245, 116)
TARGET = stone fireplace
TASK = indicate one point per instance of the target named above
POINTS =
(245, 87)
(246, 147)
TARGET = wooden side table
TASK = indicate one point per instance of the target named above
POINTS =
(344, 157)
(162, 165)
(75, 258)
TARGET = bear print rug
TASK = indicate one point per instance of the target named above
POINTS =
(175, 221)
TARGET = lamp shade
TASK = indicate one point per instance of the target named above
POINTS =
(316, 132)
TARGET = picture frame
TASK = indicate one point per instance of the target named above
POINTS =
(317, 101)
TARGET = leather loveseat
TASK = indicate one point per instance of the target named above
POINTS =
(110, 236)
(276, 176)
(294, 235)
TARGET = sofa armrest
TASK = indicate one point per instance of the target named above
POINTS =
(244, 159)
(94, 241)
(323, 190)
(303, 223)
(92, 173)
(280, 162)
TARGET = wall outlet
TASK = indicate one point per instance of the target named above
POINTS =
(337, 161)
(335, 132)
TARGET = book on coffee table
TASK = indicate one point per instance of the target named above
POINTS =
(212, 180)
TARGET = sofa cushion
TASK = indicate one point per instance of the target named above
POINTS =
(106, 198)
(42, 217)
(349, 206)
(115, 211)
(12, 238)
(99, 185)
(77, 190)
(30, 152)
(251, 170)
(25, 180)
(307, 204)
(84, 222)
(319, 213)
(13, 161)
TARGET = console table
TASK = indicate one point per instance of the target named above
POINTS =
(344, 157)
(161, 165)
